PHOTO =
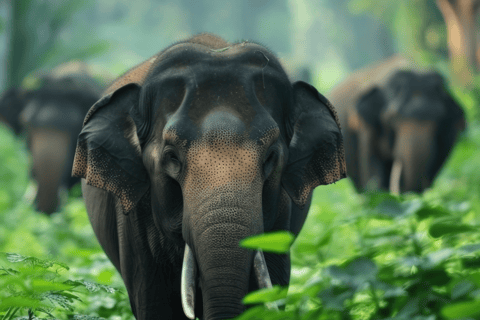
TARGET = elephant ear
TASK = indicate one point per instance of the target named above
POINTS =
(369, 107)
(108, 154)
(316, 156)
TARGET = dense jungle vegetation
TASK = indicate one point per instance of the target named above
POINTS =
(359, 256)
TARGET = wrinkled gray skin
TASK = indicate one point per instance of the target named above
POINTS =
(51, 118)
(192, 151)
(399, 125)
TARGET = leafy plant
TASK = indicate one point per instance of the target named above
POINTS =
(35, 286)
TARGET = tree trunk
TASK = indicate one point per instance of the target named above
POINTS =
(460, 18)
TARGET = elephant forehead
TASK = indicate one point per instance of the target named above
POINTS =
(224, 93)
(221, 162)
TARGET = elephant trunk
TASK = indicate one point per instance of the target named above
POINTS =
(413, 152)
(49, 152)
(223, 266)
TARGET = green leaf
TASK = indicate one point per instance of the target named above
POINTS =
(439, 229)
(471, 263)
(461, 289)
(436, 277)
(24, 302)
(325, 239)
(261, 313)
(461, 309)
(266, 295)
(334, 298)
(278, 242)
(474, 277)
(436, 258)
(86, 317)
(375, 198)
(60, 300)
(435, 212)
(470, 248)
(355, 273)
(90, 286)
(40, 285)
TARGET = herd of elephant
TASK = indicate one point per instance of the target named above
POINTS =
(209, 142)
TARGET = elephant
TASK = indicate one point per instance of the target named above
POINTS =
(399, 123)
(186, 154)
(50, 116)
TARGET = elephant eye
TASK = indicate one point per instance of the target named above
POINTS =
(269, 163)
(171, 162)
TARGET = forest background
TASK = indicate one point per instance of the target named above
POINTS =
(371, 256)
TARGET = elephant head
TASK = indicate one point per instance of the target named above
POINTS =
(51, 117)
(406, 130)
(210, 142)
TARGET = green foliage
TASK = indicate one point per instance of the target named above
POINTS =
(412, 258)
(278, 242)
(37, 286)
(41, 36)
(380, 256)
(372, 256)
(72, 278)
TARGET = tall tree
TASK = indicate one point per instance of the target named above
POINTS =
(34, 29)
(461, 21)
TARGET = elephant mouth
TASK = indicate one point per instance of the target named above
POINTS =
(189, 279)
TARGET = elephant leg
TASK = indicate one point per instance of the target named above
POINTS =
(49, 150)
(153, 283)
(415, 149)
(352, 157)
(152, 280)
(366, 156)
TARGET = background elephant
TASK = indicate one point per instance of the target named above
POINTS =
(399, 125)
(51, 117)
(202, 145)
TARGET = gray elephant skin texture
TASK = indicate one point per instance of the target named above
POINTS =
(399, 124)
(191, 151)
(50, 117)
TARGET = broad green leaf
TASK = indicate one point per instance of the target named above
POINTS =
(40, 285)
(382, 232)
(266, 295)
(278, 242)
(439, 229)
(436, 277)
(461, 289)
(355, 273)
(61, 301)
(474, 277)
(374, 199)
(325, 238)
(334, 298)
(24, 302)
(461, 309)
(437, 257)
(86, 317)
(471, 263)
(470, 248)
(261, 313)
(435, 212)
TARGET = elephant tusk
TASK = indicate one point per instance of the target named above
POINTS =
(187, 284)
(30, 193)
(395, 177)
(263, 278)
